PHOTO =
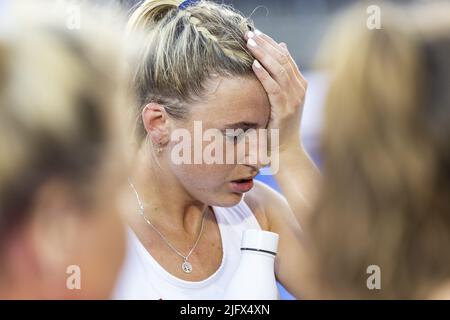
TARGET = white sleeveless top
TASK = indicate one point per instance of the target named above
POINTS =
(142, 277)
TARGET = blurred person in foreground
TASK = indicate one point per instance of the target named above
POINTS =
(386, 145)
(61, 156)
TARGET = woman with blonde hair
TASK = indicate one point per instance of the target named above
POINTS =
(381, 228)
(205, 63)
(61, 160)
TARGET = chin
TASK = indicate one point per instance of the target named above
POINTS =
(227, 200)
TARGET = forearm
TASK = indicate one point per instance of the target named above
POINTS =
(298, 178)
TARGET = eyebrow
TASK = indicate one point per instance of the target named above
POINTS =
(242, 125)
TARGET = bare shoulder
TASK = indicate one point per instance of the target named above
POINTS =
(262, 200)
(267, 197)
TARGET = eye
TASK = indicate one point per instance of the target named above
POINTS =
(235, 135)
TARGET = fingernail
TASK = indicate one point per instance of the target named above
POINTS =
(251, 42)
(250, 34)
(257, 32)
(257, 64)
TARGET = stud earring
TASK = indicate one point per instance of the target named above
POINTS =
(158, 149)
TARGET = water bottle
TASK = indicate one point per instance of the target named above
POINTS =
(254, 278)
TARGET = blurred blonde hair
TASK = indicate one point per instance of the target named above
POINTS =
(62, 93)
(386, 193)
(185, 48)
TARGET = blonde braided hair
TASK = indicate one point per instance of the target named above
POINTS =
(185, 48)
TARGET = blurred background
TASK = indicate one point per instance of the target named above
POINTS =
(299, 23)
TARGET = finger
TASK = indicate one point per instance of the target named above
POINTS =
(275, 46)
(270, 63)
(285, 49)
(267, 38)
(297, 71)
(272, 88)
(280, 51)
(284, 53)
(281, 55)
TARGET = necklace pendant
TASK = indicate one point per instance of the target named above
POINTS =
(187, 267)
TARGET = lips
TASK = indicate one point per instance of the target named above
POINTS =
(241, 185)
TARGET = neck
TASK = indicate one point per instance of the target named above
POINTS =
(166, 202)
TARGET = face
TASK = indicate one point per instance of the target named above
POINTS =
(231, 103)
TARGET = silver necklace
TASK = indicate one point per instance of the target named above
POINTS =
(186, 266)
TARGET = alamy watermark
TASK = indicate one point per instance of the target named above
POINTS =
(256, 147)
(73, 281)
(374, 280)
(373, 21)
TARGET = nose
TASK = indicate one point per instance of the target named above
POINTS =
(254, 156)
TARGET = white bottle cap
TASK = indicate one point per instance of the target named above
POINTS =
(259, 240)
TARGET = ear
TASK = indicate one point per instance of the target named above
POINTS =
(156, 123)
